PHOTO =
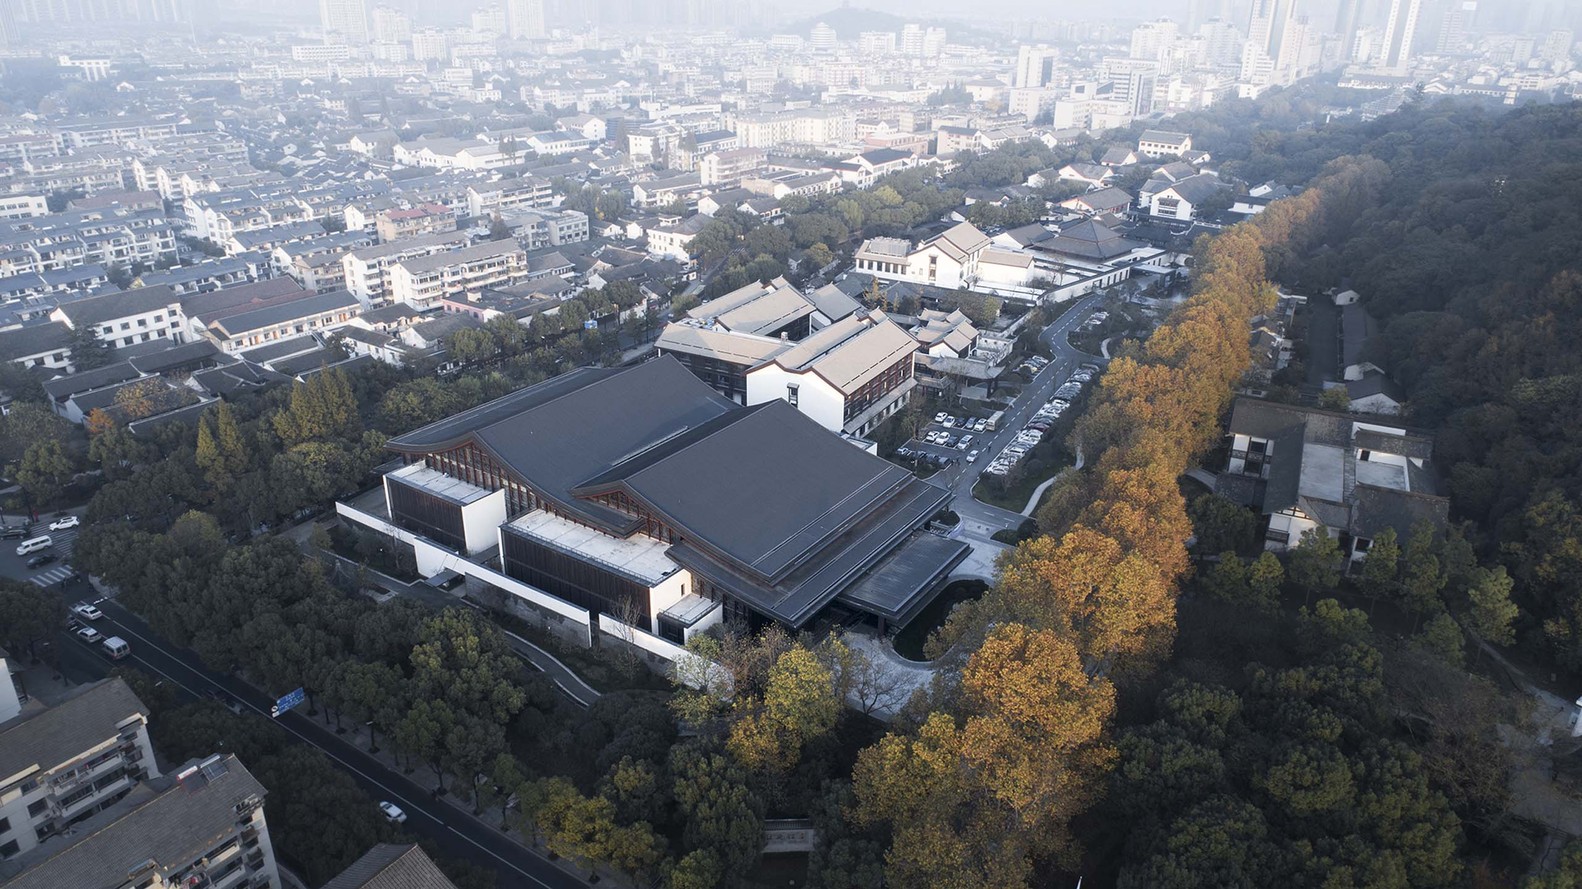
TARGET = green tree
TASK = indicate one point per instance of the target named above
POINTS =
(719, 812)
(372, 692)
(632, 786)
(700, 869)
(1442, 636)
(1315, 562)
(1492, 617)
(1264, 577)
(422, 731)
(87, 350)
(321, 409)
(29, 614)
(1566, 875)
(1380, 577)
(1422, 575)
(44, 471)
(1221, 525)
(464, 662)
(1335, 399)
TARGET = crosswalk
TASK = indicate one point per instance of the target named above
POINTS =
(58, 571)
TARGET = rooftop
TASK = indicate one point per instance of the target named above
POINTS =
(47, 738)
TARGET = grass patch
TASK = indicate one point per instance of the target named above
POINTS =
(1015, 495)
(909, 642)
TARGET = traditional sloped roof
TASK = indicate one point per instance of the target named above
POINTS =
(850, 352)
(389, 866)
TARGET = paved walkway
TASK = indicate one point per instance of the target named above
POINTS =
(1207, 478)
(902, 677)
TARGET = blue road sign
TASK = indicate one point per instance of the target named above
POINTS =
(291, 699)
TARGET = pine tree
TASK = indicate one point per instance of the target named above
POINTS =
(1422, 577)
(1493, 614)
(1381, 567)
(232, 445)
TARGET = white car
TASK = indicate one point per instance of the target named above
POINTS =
(90, 635)
(392, 812)
(86, 611)
(980, 424)
(972, 456)
(64, 522)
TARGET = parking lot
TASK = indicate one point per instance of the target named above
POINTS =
(52, 572)
(948, 438)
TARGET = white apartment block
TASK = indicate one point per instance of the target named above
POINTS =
(23, 206)
(808, 126)
(529, 192)
(121, 319)
(421, 283)
(61, 764)
(368, 269)
(201, 827)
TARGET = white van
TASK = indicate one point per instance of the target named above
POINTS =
(116, 647)
(34, 545)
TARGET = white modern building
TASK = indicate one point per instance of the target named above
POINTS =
(949, 259)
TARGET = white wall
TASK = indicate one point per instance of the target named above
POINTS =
(10, 704)
(668, 593)
(815, 397)
(481, 521)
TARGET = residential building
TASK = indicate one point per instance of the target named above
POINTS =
(527, 192)
(1182, 200)
(424, 219)
(281, 319)
(641, 492)
(1400, 30)
(62, 764)
(344, 21)
(1035, 66)
(46, 344)
(423, 281)
(1303, 467)
(202, 826)
(23, 206)
(368, 269)
(122, 319)
(949, 259)
(1162, 143)
(849, 377)
(952, 349)
(526, 19)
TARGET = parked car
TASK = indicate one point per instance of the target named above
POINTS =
(392, 812)
(980, 424)
(13, 532)
(90, 635)
(64, 522)
(86, 611)
(941, 417)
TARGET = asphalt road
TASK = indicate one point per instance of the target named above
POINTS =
(455, 832)
(1064, 360)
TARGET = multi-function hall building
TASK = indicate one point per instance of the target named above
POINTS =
(641, 492)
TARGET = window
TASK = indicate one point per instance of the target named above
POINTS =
(126, 325)
(37, 807)
(145, 338)
(142, 322)
(10, 849)
(1364, 455)
(109, 329)
(59, 356)
(791, 394)
(5, 825)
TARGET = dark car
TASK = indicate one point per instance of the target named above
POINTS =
(41, 560)
(13, 532)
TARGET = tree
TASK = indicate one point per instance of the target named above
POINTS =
(87, 350)
(1315, 562)
(700, 869)
(718, 811)
(1493, 615)
(1442, 636)
(321, 409)
(633, 788)
(44, 471)
(798, 706)
(1381, 568)
(499, 230)
(422, 732)
(1264, 577)
(29, 614)
(464, 662)
(372, 692)
(1221, 525)
(1422, 576)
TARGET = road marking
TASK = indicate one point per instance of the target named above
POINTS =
(306, 740)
